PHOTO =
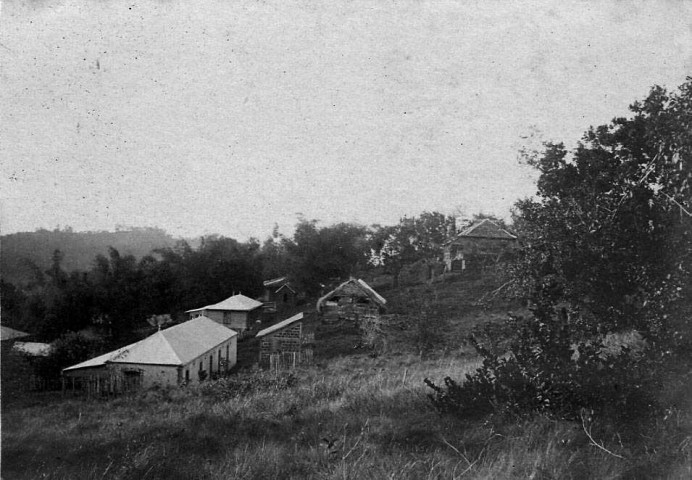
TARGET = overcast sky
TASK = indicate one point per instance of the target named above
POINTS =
(230, 116)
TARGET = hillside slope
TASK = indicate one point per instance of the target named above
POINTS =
(20, 250)
(351, 415)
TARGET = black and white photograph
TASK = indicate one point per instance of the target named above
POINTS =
(344, 240)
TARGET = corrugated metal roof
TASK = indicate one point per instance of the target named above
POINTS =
(280, 325)
(235, 303)
(152, 350)
(99, 361)
(191, 339)
(7, 333)
(176, 345)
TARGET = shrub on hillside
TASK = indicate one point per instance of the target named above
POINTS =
(604, 248)
(69, 349)
(547, 373)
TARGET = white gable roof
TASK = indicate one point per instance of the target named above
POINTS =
(235, 303)
(7, 333)
(176, 345)
(280, 325)
(98, 361)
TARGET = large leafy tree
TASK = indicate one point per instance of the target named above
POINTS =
(316, 255)
(412, 239)
(607, 246)
(609, 230)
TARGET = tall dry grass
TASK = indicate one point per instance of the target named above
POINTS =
(356, 418)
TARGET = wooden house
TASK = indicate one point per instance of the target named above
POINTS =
(279, 295)
(281, 343)
(482, 243)
(350, 300)
(238, 312)
(185, 353)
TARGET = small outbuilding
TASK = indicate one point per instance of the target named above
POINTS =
(281, 341)
(351, 300)
(279, 295)
(188, 352)
(238, 312)
(482, 243)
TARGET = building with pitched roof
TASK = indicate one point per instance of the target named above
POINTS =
(238, 312)
(279, 295)
(481, 243)
(350, 300)
(285, 337)
(188, 352)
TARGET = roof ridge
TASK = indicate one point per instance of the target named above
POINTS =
(168, 344)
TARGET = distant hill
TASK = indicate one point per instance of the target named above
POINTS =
(19, 251)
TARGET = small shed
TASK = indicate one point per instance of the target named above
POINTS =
(281, 340)
(237, 312)
(482, 243)
(188, 352)
(351, 300)
(279, 295)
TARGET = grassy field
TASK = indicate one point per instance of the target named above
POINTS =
(352, 415)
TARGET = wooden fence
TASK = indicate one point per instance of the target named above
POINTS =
(40, 383)
(289, 360)
(102, 385)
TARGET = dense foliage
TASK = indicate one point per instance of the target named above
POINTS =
(412, 239)
(607, 247)
(25, 254)
(119, 291)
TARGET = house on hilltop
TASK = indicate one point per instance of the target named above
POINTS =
(279, 295)
(188, 352)
(482, 243)
(238, 312)
(350, 300)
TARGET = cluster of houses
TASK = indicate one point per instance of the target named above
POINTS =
(206, 345)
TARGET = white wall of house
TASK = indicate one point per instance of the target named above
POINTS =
(226, 351)
(216, 315)
(232, 319)
(152, 375)
(173, 375)
(237, 320)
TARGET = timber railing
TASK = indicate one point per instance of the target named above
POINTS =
(290, 360)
